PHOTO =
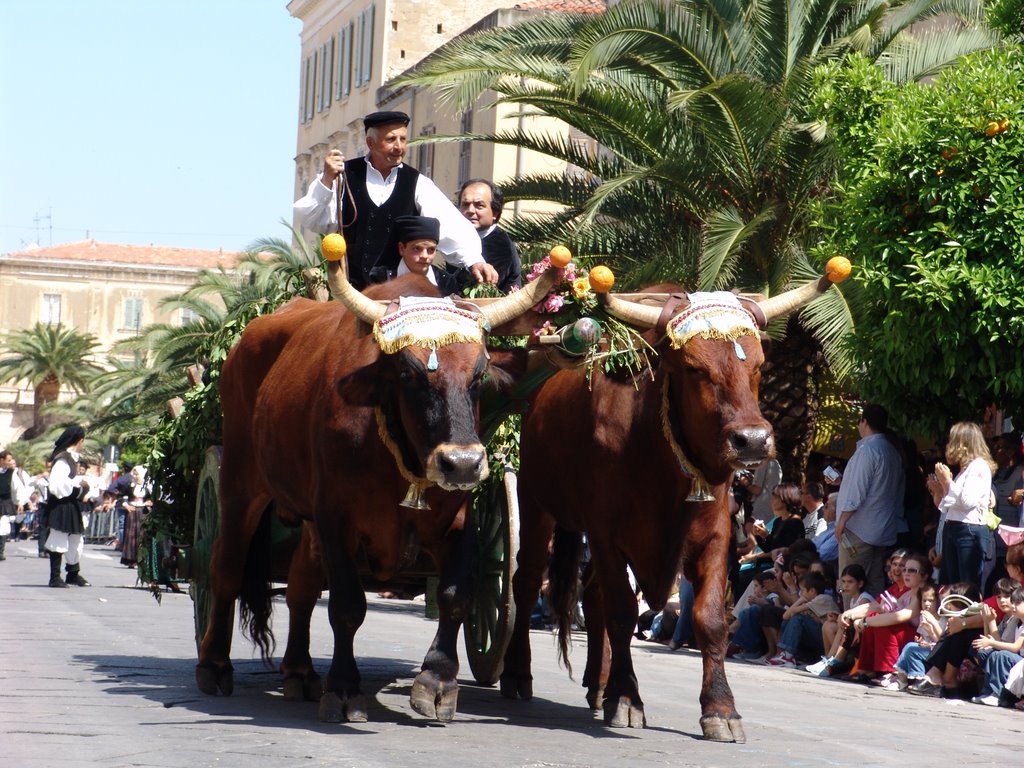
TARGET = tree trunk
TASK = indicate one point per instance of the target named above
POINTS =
(790, 397)
(46, 392)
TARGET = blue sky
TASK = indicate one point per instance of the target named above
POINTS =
(171, 122)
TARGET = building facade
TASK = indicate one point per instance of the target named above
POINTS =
(111, 291)
(353, 49)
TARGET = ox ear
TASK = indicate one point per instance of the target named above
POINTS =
(505, 367)
(364, 387)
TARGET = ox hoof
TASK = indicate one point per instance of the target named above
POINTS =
(719, 728)
(210, 678)
(433, 698)
(624, 713)
(335, 709)
(306, 687)
(595, 697)
(516, 687)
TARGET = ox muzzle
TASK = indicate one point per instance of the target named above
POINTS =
(456, 467)
(750, 446)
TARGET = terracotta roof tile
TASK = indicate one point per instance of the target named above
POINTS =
(565, 6)
(90, 250)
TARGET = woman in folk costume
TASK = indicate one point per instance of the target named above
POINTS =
(66, 526)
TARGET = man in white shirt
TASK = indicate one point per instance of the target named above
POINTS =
(382, 189)
(811, 499)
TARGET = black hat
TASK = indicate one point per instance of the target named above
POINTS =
(67, 438)
(384, 118)
(409, 228)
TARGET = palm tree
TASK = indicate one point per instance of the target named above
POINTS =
(49, 358)
(700, 161)
(132, 397)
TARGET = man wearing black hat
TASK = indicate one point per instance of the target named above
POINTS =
(384, 188)
(66, 526)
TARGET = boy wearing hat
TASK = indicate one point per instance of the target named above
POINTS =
(383, 189)
(417, 238)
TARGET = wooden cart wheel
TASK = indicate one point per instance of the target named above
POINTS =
(488, 627)
(206, 529)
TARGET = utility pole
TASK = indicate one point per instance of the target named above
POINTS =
(48, 218)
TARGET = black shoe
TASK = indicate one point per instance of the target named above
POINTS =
(77, 580)
(56, 582)
(925, 688)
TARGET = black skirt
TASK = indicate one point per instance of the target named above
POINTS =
(66, 516)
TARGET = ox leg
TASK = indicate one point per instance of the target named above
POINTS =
(227, 567)
(595, 677)
(705, 564)
(343, 698)
(535, 532)
(435, 691)
(623, 707)
(305, 581)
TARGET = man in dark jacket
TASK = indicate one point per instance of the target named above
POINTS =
(482, 201)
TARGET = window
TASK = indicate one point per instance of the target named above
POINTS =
(364, 47)
(465, 147)
(425, 162)
(345, 61)
(307, 91)
(326, 73)
(318, 87)
(133, 313)
(49, 310)
(189, 316)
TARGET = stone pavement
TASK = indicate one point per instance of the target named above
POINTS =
(103, 676)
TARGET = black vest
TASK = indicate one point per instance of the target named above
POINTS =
(5, 483)
(369, 236)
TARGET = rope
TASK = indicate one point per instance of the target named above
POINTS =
(343, 182)
(699, 489)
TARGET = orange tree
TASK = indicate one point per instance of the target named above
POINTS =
(930, 207)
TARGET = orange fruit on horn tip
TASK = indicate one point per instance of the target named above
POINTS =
(601, 279)
(560, 256)
(838, 269)
(334, 247)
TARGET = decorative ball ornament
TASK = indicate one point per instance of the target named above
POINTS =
(560, 256)
(601, 279)
(334, 247)
(838, 269)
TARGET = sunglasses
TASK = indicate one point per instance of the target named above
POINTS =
(911, 570)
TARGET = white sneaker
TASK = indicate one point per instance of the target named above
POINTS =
(817, 667)
(988, 701)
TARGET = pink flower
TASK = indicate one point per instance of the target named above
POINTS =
(553, 302)
(545, 330)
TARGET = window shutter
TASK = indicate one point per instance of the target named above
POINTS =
(318, 75)
(329, 70)
(357, 59)
(368, 45)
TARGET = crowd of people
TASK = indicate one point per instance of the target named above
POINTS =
(897, 569)
(56, 507)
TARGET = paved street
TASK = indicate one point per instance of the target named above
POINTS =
(103, 676)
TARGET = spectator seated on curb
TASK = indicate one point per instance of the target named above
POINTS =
(910, 664)
(942, 667)
(801, 626)
(748, 641)
(842, 644)
(1002, 646)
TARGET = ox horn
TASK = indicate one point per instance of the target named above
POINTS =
(640, 315)
(836, 270)
(515, 304)
(366, 309)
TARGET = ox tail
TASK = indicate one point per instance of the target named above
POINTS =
(255, 598)
(563, 587)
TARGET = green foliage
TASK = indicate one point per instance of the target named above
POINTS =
(692, 155)
(932, 213)
(49, 352)
(1007, 16)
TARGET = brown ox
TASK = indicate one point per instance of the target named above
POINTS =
(316, 420)
(621, 483)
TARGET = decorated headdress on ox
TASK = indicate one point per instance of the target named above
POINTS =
(428, 323)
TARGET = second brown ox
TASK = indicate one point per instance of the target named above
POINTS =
(634, 458)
